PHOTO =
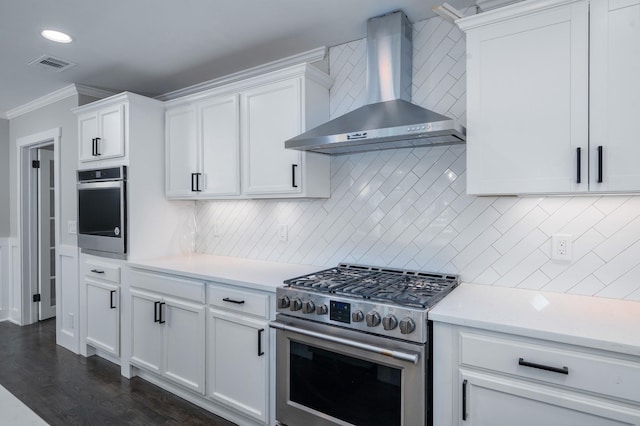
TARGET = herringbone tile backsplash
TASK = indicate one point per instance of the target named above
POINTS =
(408, 208)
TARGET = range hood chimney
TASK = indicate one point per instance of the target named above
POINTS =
(389, 120)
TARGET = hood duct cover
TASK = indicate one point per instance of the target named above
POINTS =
(389, 120)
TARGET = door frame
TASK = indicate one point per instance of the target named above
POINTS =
(26, 151)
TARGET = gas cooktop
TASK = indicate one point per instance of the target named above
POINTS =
(401, 287)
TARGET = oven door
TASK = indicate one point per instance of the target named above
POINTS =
(328, 375)
(102, 218)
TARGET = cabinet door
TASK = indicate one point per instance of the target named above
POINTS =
(183, 347)
(488, 400)
(111, 124)
(181, 152)
(615, 95)
(527, 95)
(271, 114)
(103, 316)
(219, 123)
(146, 331)
(238, 363)
(87, 132)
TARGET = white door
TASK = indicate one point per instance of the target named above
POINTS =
(111, 142)
(271, 115)
(238, 362)
(88, 129)
(103, 316)
(220, 146)
(146, 335)
(181, 152)
(183, 348)
(46, 236)
(615, 95)
(489, 400)
(527, 94)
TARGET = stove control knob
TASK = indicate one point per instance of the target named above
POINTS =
(322, 309)
(357, 316)
(373, 319)
(283, 302)
(308, 307)
(407, 325)
(296, 304)
(389, 322)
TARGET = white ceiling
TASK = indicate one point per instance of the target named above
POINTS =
(153, 47)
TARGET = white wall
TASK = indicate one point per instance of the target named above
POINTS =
(5, 222)
(408, 208)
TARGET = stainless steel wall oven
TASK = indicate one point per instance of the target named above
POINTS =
(102, 211)
(353, 346)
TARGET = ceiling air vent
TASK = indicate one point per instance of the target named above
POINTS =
(52, 63)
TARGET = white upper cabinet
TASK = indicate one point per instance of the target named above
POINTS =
(102, 133)
(548, 83)
(228, 142)
(615, 95)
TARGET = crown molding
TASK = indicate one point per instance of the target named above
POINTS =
(309, 56)
(55, 96)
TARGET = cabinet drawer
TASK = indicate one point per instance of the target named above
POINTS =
(593, 373)
(171, 285)
(238, 300)
(103, 271)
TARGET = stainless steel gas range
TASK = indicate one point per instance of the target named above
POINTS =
(353, 346)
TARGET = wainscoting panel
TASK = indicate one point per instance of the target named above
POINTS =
(67, 288)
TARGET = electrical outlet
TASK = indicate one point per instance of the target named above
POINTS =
(71, 227)
(561, 247)
(283, 232)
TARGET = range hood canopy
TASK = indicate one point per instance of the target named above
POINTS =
(389, 120)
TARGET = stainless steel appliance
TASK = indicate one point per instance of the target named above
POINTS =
(389, 119)
(353, 346)
(102, 211)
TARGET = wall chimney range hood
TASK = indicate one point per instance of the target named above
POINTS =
(389, 120)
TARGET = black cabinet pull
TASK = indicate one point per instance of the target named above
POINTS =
(193, 184)
(600, 164)
(98, 147)
(578, 164)
(563, 370)
(464, 400)
(160, 318)
(293, 175)
(198, 188)
(97, 271)
(112, 305)
(155, 311)
(93, 147)
(237, 302)
(260, 351)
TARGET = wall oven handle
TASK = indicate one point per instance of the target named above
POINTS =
(402, 356)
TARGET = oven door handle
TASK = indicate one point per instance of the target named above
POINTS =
(402, 356)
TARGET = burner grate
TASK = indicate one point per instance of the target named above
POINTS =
(409, 288)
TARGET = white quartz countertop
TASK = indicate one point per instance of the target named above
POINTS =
(256, 274)
(607, 324)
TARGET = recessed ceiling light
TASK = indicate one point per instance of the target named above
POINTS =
(56, 36)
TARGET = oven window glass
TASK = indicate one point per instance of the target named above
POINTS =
(350, 389)
(99, 212)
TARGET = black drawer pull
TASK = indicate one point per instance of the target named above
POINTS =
(237, 302)
(464, 400)
(293, 175)
(260, 351)
(97, 271)
(563, 370)
(155, 311)
(112, 305)
(578, 163)
(160, 318)
(98, 147)
(93, 147)
(600, 164)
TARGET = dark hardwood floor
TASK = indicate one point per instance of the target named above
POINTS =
(68, 389)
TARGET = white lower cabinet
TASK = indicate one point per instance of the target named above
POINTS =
(168, 327)
(238, 362)
(101, 294)
(493, 379)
